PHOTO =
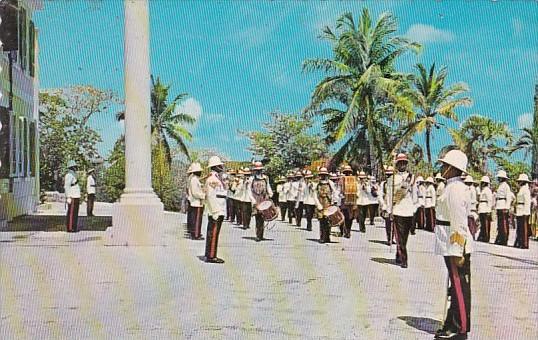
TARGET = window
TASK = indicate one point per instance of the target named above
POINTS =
(27, 150)
(32, 41)
(4, 142)
(33, 150)
(23, 38)
(22, 146)
(13, 126)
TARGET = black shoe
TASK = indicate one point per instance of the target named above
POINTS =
(347, 236)
(412, 232)
(448, 334)
(404, 265)
(214, 260)
(321, 241)
(363, 230)
(398, 261)
(258, 239)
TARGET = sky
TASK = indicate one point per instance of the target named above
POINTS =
(240, 60)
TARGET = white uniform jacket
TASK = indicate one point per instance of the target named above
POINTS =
(195, 192)
(310, 193)
(523, 201)
(286, 187)
(430, 197)
(485, 201)
(363, 192)
(281, 194)
(71, 187)
(215, 196)
(503, 197)
(90, 185)
(245, 190)
(453, 206)
(402, 183)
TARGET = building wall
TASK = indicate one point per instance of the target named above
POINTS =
(19, 178)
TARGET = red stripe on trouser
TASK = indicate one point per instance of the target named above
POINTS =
(525, 241)
(213, 241)
(459, 295)
(197, 222)
(72, 208)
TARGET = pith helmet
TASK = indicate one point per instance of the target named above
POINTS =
(469, 179)
(485, 179)
(195, 167)
(214, 161)
(347, 168)
(502, 174)
(429, 180)
(308, 174)
(91, 170)
(323, 171)
(71, 164)
(362, 174)
(246, 171)
(402, 157)
(439, 177)
(420, 179)
(389, 169)
(455, 158)
(333, 176)
(258, 166)
(523, 178)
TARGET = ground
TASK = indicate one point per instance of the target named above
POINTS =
(71, 286)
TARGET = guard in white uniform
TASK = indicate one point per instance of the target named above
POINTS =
(453, 241)
(373, 206)
(282, 200)
(90, 191)
(196, 198)
(473, 214)
(309, 199)
(383, 202)
(363, 200)
(238, 189)
(246, 203)
(523, 212)
(401, 204)
(503, 198)
(216, 208)
(299, 203)
(421, 203)
(292, 193)
(72, 194)
(485, 206)
(430, 200)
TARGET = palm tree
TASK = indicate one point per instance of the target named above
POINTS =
(430, 95)
(482, 139)
(528, 142)
(167, 125)
(362, 84)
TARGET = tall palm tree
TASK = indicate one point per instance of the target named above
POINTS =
(482, 139)
(361, 83)
(167, 125)
(528, 142)
(433, 98)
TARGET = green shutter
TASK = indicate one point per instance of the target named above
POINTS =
(32, 37)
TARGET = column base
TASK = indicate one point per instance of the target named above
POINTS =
(137, 220)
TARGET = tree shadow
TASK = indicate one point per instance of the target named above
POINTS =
(383, 260)
(526, 261)
(316, 240)
(378, 242)
(423, 324)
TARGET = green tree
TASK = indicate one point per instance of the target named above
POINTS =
(362, 93)
(286, 143)
(64, 130)
(433, 98)
(114, 179)
(482, 139)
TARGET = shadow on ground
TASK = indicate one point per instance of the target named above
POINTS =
(56, 223)
(383, 260)
(423, 324)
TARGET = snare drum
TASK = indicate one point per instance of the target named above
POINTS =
(335, 216)
(268, 210)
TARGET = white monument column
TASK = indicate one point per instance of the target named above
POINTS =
(137, 219)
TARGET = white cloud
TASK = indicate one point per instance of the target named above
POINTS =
(191, 107)
(428, 34)
(213, 118)
(525, 120)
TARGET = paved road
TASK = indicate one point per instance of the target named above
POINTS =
(67, 286)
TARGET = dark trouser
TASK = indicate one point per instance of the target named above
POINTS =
(362, 210)
(485, 227)
(72, 215)
(299, 214)
(402, 226)
(247, 214)
(349, 214)
(259, 226)
(373, 212)
(471, 222)
(229, 209)
(212, 236)
(458, 318)
(522, 233)
(324, 230)
(89, 204)
(238, 205)
(502, 227)
(283, 209)
(430, 218)
(420, 217)
(291, 209)
(195, 223)
(309, 214)
(388, 230)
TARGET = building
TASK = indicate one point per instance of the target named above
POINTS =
(19, 117)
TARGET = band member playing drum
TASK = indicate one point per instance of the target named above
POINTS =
(349, 201)
(324, 198)
(259, 191)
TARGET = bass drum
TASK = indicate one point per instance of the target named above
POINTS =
(268, 210)
(334, 216)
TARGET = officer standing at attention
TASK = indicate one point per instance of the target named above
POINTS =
(216, 208)
(485, 204)
(453, 241)
(503, 201)
(72, 195)
(90, 191)
(523, 212)
(429, 204)
(196, 198)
